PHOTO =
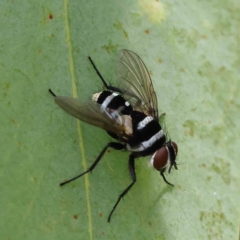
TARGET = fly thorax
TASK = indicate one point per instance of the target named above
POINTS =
(148, 143)
(144, 122)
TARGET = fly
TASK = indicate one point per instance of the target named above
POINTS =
(129, 114)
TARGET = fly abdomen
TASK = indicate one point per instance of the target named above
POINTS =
(114, 101)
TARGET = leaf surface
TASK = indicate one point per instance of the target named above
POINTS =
(192, 52)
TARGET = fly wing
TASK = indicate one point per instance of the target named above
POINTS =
(92, 113)
(134, 80)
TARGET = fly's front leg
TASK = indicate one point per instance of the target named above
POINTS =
(164, 178)
(114, 145)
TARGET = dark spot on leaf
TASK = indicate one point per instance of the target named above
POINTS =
(160, 60)
(50, 16)
(100, 214)
(75, 216)
(147, 31)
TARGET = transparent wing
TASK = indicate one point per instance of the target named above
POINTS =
(134, 80)
(92, 113)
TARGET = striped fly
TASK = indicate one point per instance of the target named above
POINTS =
(129, 114)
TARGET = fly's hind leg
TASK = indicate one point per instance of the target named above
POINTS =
(115, 145)
(114, 89)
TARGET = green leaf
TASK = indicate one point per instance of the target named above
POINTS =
(192, 52)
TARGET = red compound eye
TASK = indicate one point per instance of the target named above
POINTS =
(160, 159)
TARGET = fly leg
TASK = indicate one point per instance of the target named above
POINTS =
(164, 178)
(131, 166)
(52, 92)
(115, 145)
(115, 89)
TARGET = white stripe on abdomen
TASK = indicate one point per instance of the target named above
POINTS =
(146, 144)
